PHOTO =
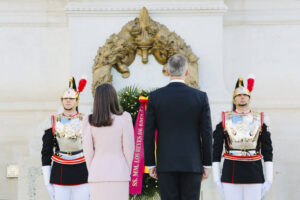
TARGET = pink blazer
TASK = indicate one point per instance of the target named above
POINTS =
(109, 150)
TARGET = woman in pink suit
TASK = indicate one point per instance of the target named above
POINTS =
(108, 146)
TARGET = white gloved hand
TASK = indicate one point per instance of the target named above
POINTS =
(50, 189)
(46, 174)
(266, 186)
(217, 177)
(220, 188)
(268, 178)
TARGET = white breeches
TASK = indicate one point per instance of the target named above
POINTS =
(77, 192)
(242, 191)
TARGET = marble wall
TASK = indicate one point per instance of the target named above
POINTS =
(34, 63)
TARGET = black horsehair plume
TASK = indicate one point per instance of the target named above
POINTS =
(239, 83)
(72, 83)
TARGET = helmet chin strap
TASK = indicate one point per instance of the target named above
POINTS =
(243, 105)
(68, 109)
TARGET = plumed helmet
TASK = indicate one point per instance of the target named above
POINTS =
(241, 89)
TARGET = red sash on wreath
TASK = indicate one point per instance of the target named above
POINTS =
(138, 168)
(135, 185)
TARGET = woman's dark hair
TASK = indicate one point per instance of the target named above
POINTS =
(105, 103)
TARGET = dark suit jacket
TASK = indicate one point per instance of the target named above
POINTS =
(181, 115)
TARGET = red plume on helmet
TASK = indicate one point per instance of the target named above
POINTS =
(82, 84)
(250, 82)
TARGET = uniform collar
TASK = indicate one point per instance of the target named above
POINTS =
(70, 115)
(242, 112)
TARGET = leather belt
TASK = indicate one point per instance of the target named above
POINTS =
(70, 153)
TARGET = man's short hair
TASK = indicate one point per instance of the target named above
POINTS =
(177, 65)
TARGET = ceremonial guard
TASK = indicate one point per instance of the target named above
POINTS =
(247, 140)
(63, 164)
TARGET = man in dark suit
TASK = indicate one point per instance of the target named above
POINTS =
(181, 116)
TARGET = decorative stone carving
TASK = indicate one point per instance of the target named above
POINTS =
(144, 37)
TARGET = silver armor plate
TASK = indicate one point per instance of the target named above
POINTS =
(69, 133)
(243, 130)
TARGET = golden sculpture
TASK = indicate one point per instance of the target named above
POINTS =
(141, 36)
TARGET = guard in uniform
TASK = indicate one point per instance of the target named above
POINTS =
(63, 164)
(247, 140)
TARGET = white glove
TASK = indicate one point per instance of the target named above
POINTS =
(46, 174)
(50, 189)
(217, 177)
(268, 178)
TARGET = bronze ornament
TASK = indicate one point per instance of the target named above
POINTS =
(144, 37)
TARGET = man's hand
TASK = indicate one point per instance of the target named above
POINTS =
(205, 174)
(153, 173)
